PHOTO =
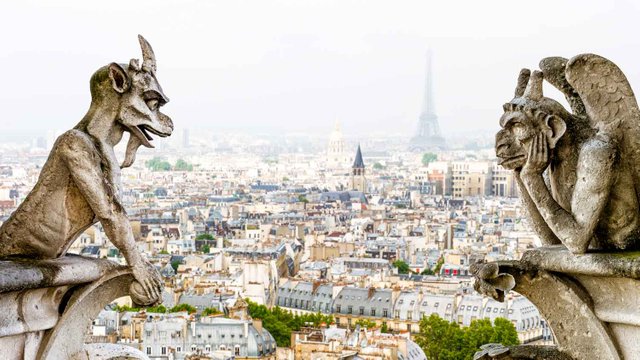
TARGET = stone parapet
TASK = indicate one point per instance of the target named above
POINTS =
(47, 306)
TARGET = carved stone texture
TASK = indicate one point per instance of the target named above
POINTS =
(46, 306)
(591, 196)
(80, 182)
(590, 301)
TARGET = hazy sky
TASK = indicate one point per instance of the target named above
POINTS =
(297, 66)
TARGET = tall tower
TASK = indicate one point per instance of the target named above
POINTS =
(358, 181)
(428, 134)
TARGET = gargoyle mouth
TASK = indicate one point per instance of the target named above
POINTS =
(506, 162)
(142, 133)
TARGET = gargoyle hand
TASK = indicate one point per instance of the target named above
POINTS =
(538, 159)
(150, 280)
(489, 282)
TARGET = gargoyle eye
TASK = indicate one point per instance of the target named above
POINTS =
(153, 104)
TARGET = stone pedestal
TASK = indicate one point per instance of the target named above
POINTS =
(46, 306)
(590, 301)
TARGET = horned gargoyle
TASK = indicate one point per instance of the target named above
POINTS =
(590, 156)
(80, 182)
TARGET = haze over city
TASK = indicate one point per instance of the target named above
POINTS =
(298, 66)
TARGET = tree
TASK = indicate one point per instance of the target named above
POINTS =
(302, 199)
(182, 165)
(384, 328)
(442, 340)
(403, 267)
(428, 158)
(378, 166)
(439, 263)
(158, 164)
(280, 323)
(175, 264)
(504, 332)
(205, 236)
(163, 252)
(427, 271)
(205, 248)
(157, 309)
(210, 311)
(366, 323)
(183, 307)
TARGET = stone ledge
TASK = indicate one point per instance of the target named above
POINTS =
(557, 258)
(22, 274)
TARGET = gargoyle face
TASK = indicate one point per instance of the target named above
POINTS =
(513, 140)
(140, 100)
(140, 108)
(527, 115)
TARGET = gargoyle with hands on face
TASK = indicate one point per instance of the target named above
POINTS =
(591, 196)
(80, 182)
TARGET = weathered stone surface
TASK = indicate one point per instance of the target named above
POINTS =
(80, 182)
(592, 198)
(21, 274)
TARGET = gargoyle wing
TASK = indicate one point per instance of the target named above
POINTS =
(610, 104)
(605, 91)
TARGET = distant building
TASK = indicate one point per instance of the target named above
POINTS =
(336, 154)
(358, 181)
(428, 135)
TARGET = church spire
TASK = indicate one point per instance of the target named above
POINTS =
(358, 163)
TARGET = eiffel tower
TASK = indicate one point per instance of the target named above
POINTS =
(428, 134)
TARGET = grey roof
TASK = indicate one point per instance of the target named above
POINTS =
(369, 302)
(358, 163)
(302, 296)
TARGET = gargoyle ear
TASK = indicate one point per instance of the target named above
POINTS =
(556, 128)
(119, 78)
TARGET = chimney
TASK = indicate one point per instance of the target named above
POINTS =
(257, 323)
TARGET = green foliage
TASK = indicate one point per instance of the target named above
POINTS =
(205, 236)
(280, 323)
(403, 267)
(182, 165)
(183, 307)
(175, 264)
(384, 328)
(157, 309)
(366, 323)
(163, 252)
(158, 164)
(205, 248)
(428, 158)
(124, 308)
(442, 340)
(427, 272)
(303, 199)
(210, 311)
(378, 166)
(436, 269)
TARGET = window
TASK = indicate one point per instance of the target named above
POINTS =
(193, 348)
(361, 310)
(373, 312)
(338, 308)
(163, 350)
(350, 310)
(385, 313)
(237, 350)
(148, 350)
(148, 333)
(178, 348)
(397, 314)
(409, 315)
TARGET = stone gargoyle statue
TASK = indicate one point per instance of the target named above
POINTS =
(578, 174)
(590, 199)
(80, 183)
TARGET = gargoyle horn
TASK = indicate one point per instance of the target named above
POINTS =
(534, 87)
(523, 79)
(148, 57)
